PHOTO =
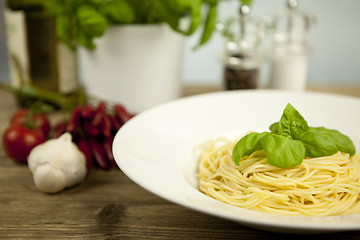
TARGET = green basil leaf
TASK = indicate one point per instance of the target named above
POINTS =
(343, 142)
(292, 124)
(320, 141)
(85, 40)
(274, 128)
(211, 2)
(246, 2)
(88, 19)
(247, 145)
(282, 151)
(95, 2)
(62, 30)
(117, 11)
(191, 8)
(91, 21)
(165, 11)
(209, 26)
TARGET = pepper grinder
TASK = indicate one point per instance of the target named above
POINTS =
(290, 49)
(241, 58)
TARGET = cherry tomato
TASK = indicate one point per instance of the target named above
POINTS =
(38, 120)
(19, 140)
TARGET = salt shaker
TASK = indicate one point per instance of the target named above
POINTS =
(290, 49)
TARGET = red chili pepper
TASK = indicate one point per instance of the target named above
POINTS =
(59, 130)
(87, 111)
(99, 154)
(105, 126)
(108, 148)
(84, 147)
(99, 114)
(115, 123)
(122, 113)
(74, 119)
(89, 129)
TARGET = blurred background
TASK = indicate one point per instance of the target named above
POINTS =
(335, 38)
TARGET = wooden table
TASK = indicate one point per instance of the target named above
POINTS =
(108, 205)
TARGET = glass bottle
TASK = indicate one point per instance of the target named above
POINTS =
(241, 57)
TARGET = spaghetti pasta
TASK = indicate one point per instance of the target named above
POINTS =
(322, 186)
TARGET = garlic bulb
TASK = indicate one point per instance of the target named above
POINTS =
(57, 164)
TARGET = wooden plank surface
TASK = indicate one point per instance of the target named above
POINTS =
(108, 205)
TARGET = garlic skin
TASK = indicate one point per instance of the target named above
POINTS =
(57, 164)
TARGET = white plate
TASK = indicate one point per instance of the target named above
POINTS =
(155, 148)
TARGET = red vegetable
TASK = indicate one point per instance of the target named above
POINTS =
(87, 111)
(84, 147)
(89, 129)
(105, 126)
(59, 130)
(38, 120)
(122, 113)
(99, 114)
(99, 154)
(108, 148)
(93, 128)
(74, 119)
(18, 140)
(115, 123)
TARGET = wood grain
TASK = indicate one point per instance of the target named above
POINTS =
(108, 205)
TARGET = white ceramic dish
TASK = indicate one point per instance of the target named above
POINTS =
(155, 148)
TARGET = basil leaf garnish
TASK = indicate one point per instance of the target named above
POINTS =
(274, 128)
(320, 141)
(291, 139)
(282, 151)
(247, 145)
(292, 124)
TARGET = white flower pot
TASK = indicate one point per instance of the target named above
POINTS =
(138, 66)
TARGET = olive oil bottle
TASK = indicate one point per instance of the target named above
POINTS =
(35, 54)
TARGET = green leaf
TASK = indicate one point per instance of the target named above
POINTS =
(211, 2)
(292, 124)
(282, 151)
(91, 21)
(320, 141)
(95, 2)
(80, 21)
(62, 30)
(162, 11)
(246, 2)
(117, 11)
(85, 40)
(209, 25)
(247, 145)
(291, 140)
(274, 128)
(189, 8)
